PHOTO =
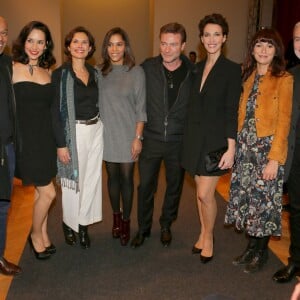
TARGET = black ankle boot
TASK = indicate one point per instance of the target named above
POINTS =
(69, 234)
(247, 256)
(84, 238)
(125, 232)
(116, 229)
(260, 257)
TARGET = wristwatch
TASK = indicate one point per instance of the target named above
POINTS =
(139, 137)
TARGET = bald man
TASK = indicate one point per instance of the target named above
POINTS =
(7, 153)
(296, 39)
(292, 168)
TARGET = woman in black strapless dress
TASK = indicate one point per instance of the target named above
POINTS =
(36, 147)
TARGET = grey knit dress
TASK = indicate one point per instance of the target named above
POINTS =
(122, 105)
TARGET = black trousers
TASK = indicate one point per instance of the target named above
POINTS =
(5, 203)
(294, 198)
(151, 157)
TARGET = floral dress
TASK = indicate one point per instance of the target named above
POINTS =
(255, 203)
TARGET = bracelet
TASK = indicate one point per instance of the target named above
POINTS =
(139, 137)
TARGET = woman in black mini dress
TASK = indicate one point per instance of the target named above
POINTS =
(211, 124)
(36, 147)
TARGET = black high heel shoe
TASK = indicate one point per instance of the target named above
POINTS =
(38, 255)
(206, 259)
(196, 250)
(51, 249)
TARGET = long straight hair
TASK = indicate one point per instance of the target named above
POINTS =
(129, 59)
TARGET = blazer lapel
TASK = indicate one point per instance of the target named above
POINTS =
(210, 80)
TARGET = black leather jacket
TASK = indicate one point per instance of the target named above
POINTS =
(165, 124)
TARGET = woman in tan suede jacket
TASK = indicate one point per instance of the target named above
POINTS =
(263, 128)
(270, 116)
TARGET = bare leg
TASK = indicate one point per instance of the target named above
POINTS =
(44, 198)
(46, 239)
(207, 207)
(200, 241)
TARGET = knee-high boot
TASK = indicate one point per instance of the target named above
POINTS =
(247, 256)
(125, 232)
(260, 257)
(116, 229)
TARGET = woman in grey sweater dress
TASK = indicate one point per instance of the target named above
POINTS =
(123, 111)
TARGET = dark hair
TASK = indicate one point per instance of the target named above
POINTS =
(217, 19)
(46, 60)
(265, 35)
(192, 52)
(129, 59)
(175, 28)
(69, 37)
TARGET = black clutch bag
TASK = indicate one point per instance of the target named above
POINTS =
(213, 158)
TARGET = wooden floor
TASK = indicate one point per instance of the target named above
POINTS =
(19, 223)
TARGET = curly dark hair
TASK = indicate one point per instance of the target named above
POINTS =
(217, 19)
(265, 35)
(175, 28)
(46, 60)
(129, 59)
(69, 37)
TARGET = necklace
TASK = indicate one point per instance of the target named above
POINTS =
(170, 79)
(30, 68)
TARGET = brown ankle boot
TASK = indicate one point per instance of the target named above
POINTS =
(116, 229)
(125, 232)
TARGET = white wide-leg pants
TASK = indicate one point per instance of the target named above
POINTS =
(85, 206)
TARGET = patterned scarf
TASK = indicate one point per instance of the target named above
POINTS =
(68, 174)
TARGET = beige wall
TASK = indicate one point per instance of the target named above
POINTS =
(142, 20)
(189, 13)
(20, 12)
(101, 16)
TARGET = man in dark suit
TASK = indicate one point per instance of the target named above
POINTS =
(7, 154)
(292, 169)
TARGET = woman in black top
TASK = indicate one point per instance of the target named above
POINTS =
(36, 149)
(80, 145)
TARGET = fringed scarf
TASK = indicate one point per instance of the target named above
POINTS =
(68, 174)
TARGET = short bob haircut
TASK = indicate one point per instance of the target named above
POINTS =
(265, 35)
(69, 37)
(174, 28)
(217, 19)
(46, 60)
(129, 59)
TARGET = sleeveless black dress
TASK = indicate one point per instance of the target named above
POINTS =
(36, 148)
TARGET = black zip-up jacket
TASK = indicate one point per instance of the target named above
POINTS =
(164, 124)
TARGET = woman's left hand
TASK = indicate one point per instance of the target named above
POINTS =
(270, 171)
(227, 160)
(136, 148)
